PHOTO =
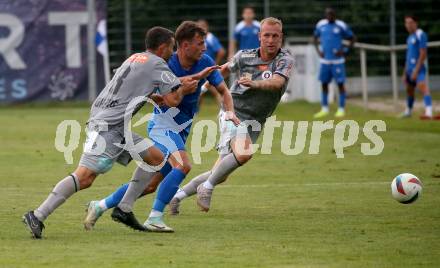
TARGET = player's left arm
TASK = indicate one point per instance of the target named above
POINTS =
(422, 56)
(348, 35)
(275, 83)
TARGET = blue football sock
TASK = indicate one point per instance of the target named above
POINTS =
(168, 189)
(113, 200)
(342, 99)
(428, 100)
(410, 102)
(324, 98)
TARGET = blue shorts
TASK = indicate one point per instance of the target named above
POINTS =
(168, 142)
(329, 71)
(420, 77)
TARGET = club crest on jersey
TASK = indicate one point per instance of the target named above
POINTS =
(336, 30)
(167, 77)
(266, 75)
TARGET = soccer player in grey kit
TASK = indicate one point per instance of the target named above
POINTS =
(263, 76)
(142, 75)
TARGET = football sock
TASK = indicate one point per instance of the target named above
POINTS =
(168, 189)
(428, 105)
(341, 99)
(102, 203)
(140, 181)
(225, 167)
(410, 103)
(191, 187)
(155, 213)
(60, 193)
(114, 198)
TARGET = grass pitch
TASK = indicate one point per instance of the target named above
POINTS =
(277, 211)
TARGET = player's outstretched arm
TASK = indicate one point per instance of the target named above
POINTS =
(227, 102)
(275, 83)
(174, 98)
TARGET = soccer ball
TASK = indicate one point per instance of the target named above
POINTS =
(406, 188)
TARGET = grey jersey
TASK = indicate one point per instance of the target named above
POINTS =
(250, 104)
(140, 75)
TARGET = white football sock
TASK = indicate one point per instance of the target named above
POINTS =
(102, 204)
(155, 213)
(180, 194)
(208, 185)
(428, 111)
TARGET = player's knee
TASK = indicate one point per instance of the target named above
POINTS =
(85, 176)
(341, 87)
(243, 158)
(155, 157)
(86, 181)
(150, 189)
(185, 167)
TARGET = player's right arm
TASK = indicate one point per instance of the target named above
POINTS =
(169, 86)
(316, 41)
(174, 98)
(404, 74)
(232, 66)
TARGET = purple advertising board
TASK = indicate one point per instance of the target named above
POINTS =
(43, 50)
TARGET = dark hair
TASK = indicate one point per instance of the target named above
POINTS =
(413, 17)
(187, 30)
(157, 36)
(249, 6)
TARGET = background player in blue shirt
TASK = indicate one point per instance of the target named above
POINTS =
(330, 33)
(415, 70)
(189, 61)
(245, 32)
(214, 48)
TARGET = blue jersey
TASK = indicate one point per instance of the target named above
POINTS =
(331, 35)
(212, 45)
(247, 35)
(189, 104)
(415, 42)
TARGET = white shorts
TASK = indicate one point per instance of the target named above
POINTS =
(228, 130)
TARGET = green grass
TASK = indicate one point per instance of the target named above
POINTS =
(276, 211)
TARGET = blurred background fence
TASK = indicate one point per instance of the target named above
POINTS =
(373, 21)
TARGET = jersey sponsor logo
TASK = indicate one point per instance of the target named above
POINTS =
(413, 40)
(167, 77)
(266, 75)
(263, 67)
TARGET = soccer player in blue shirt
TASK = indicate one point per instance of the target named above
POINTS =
(245, 32)
(330, 33)
(188, 61)
(214, 48)
(415, 70)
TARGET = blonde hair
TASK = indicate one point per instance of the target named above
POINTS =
(271, 21)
